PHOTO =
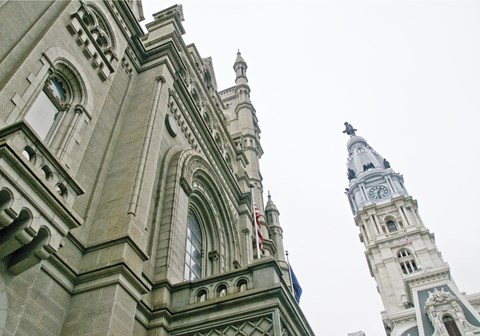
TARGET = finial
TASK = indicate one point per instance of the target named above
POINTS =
(349, 129)
(269, 194)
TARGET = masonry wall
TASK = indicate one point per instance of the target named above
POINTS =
(37, 304)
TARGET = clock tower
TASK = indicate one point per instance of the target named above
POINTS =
(414, 282)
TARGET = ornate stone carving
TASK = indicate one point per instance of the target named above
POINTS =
(441, 303)
(94, 35)
(194, 163)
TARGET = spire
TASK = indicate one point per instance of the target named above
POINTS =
(270, 205)
(275, 230)
(239, 60)
(240, 67)
(370, 175)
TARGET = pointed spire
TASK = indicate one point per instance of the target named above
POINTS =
(270, 205)
(240, 67)
(239, 60)
(241, 81)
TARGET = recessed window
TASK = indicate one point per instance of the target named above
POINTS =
(221, 291)
(202, 295)
(193, 254)
(391, 226)
(242, 285)
(451, 326)
(46, 171)
(29, 153)
(44, 111)
(406, 261)
(61, 189)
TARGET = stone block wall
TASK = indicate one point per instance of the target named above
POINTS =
(37, 304)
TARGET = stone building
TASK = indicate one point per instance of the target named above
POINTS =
(127, 182)
(417, 290)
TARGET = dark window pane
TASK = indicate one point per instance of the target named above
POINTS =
(193, 255)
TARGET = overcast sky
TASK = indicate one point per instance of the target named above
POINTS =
(406, 74)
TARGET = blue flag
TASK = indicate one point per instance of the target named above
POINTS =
(297, 289)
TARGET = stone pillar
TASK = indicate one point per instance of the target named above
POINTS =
(106, 311)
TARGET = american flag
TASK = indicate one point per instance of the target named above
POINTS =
(259, 227)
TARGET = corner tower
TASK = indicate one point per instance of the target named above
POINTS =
(414, 282)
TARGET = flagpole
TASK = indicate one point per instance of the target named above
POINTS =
(290, 274)
(255, 222)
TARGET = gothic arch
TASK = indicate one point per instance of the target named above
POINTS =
(62, 61)
(196, 171)
(189, 182)
(97, 22)
(202, 182)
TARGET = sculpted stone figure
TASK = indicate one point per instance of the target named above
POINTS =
(349, 129)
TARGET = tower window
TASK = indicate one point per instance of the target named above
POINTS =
(451, 326)
(193, 254)
(391, 226)
(406, 261)
(46, 108)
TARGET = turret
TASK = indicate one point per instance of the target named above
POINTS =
(242, 89)
(274, 228)
(244, 127)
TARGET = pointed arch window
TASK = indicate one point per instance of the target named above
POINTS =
(451, 326)
(406, 261)
(193, 255)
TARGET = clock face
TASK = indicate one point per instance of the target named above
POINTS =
(378, 192)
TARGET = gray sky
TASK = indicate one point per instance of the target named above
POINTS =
(406, 74)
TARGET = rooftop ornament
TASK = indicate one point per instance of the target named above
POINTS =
(349, 129)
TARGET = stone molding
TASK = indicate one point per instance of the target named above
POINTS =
(441, 303)
(36, 209)
(90, 39)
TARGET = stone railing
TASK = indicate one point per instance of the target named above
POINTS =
(247, 301)
(36, 198)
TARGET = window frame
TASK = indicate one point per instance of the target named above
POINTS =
(188, 242)
(391, 226)
(62, 106)
(406, 261)
(451, 326)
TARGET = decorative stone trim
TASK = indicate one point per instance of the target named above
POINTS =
(441, 303)
(91, 39)
(36, 209)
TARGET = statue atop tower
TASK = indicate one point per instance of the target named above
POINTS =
(349, 129)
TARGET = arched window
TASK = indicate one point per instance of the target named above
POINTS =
(407, 261)
(202, 295)
(451, 326)
(45, 111)
(242, 285)
(193, 254)
(222, 290)
(391, 226)
(98, 26)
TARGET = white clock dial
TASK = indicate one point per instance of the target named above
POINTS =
(378, 192)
